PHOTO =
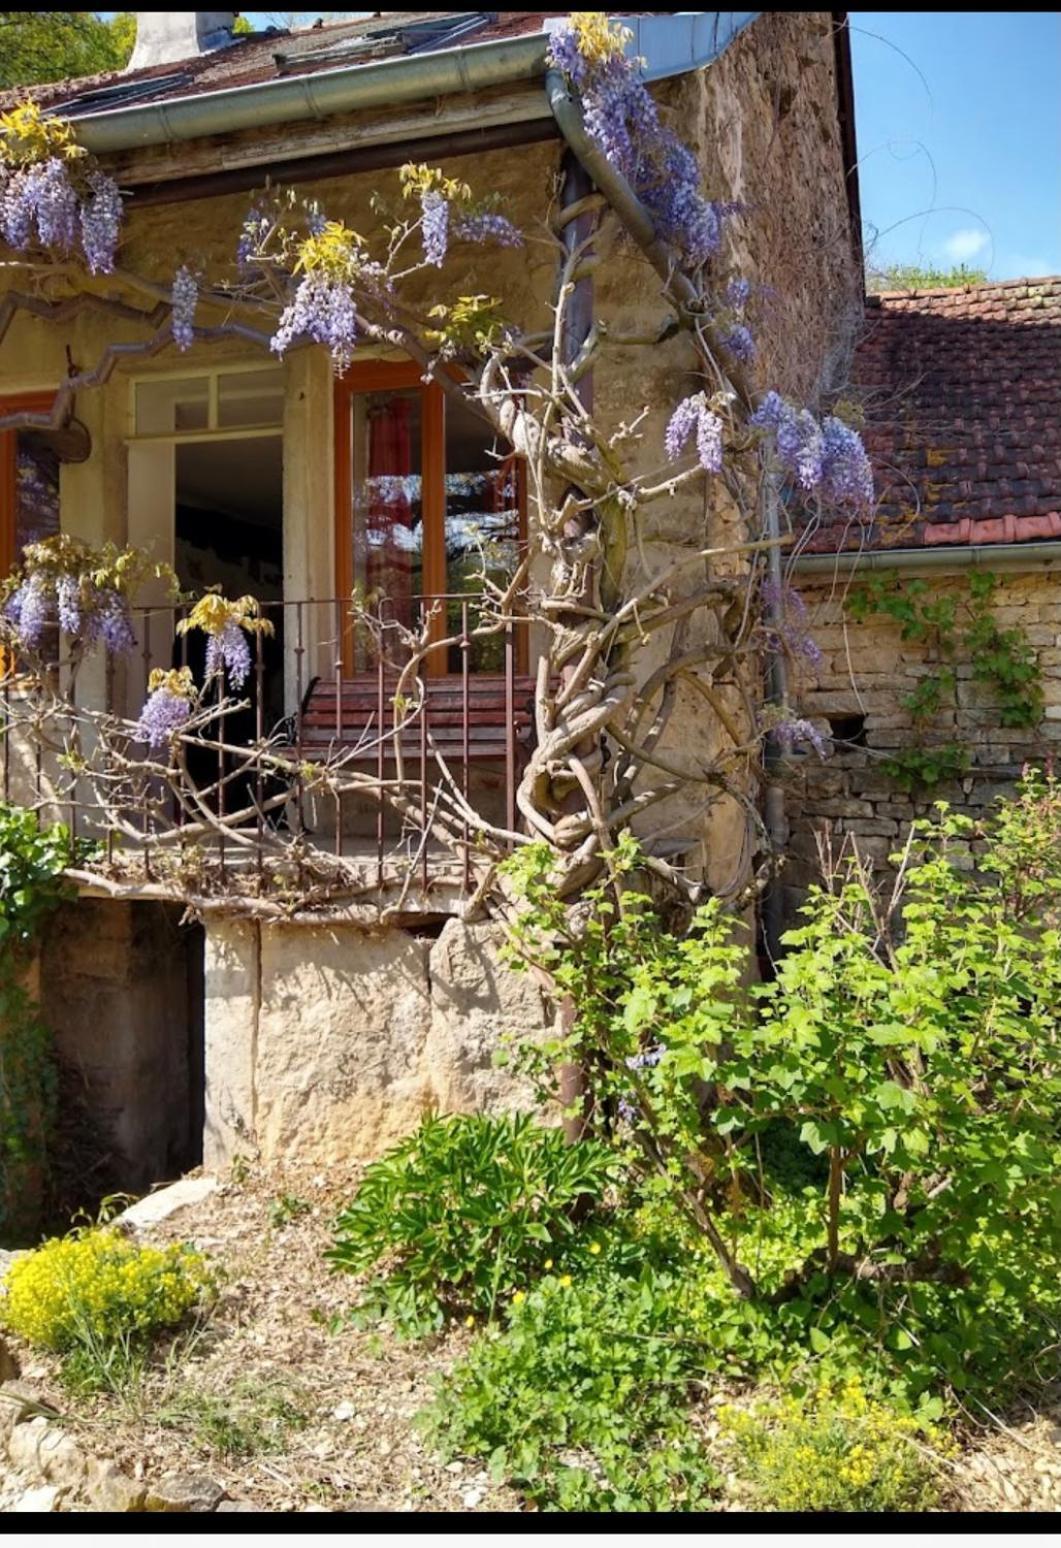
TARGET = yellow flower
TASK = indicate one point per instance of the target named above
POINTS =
(594, 1248)
(565, 1280)
(518, 1295)
(469, 1322)
(548, 1263)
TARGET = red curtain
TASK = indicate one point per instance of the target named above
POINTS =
(391, 519)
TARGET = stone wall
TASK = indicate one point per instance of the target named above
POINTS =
(118, 992)
(327, 1043)
(866, 671)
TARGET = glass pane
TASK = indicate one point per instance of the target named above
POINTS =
(482, 525)
(387, 515)
(167, 406)
(250, 398)
(36, 493)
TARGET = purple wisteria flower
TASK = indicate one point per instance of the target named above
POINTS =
(647, 1060)
(488, 228)
(847, 474)
(622, 117)
(434, 226)
(322, 310)
(737, 340)
(168, 708)
(68, 603)
(790, 620)
(30, 610)
(229, 651)
(184, 299)
(111, 622)
(792, 731)
(101, 219)
(829, 457)
(693, 414)
(55, 204)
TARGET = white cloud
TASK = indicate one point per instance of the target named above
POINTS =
(965, 244)
(1020, 266)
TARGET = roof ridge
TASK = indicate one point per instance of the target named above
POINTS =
(960, 290)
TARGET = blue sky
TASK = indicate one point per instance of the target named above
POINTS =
(977, 142)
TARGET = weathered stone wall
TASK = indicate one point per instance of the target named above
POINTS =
(330, 1043)
(866, 672)
(117, 992)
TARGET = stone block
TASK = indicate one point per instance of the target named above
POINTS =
(231, 975)
(475, 1002)
(343, 1019)
(24, 1446)
(160, 1205)
(61, 1459)
(193, 1492)
(108, 1488)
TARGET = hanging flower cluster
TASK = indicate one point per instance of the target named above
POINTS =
(51, 194)
(184, 299)
(790, 624)
(487, 226)
(82, 591)
(622, 117)
(695, 414)
(331, 260)
(828, 457)
(731, 326)
(170, 701)
(446, 213)
(791, 731)
(226, 625)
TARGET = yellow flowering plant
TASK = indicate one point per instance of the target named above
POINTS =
(837, 1448)
(96, 1298)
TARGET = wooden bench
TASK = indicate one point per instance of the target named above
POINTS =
(448, 716)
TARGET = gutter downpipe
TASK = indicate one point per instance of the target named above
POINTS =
(298, 98)
(637, 220)
(977, 556)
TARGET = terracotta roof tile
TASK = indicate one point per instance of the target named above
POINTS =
(962, 390)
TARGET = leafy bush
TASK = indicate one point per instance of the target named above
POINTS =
(909, 1045)
(96, 1298)
(581, 1400)
(464, 1212)
(836, 1450)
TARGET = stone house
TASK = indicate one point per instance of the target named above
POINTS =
(321, 1037)
(961, 391)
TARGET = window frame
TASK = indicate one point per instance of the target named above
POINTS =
(393, 376)
(15, 403)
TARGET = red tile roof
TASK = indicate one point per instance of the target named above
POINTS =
(962, 391)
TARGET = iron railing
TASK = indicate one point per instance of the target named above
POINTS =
(322, 692)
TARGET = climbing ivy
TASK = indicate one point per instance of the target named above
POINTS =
(32, 859)
(954, 626)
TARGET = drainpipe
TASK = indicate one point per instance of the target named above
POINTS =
(976, 556)
(774, 817)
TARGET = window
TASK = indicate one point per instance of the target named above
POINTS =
(29, 483)
(224, 399)
(29, 491)
(427, 501)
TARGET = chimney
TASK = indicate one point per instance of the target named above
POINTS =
(169, 37)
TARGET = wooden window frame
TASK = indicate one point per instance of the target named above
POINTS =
(14, 403)
(394, 376)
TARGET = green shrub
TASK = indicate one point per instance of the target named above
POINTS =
(465, 1211)
(836, 1449)
(96, 1298)
(909, 1045)
(581, 1401)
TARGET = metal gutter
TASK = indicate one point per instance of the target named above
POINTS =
(671, 45)
(981, 556)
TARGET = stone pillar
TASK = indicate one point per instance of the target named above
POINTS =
(231, 997)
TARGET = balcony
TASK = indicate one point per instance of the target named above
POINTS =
(277, 789)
